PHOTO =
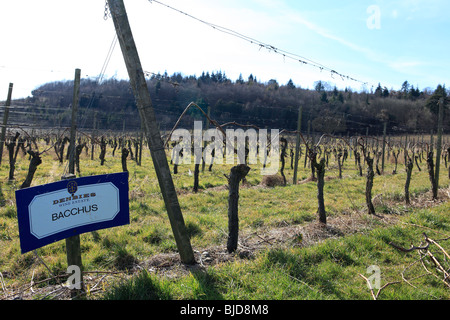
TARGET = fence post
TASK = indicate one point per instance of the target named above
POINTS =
(5, 120)
(155, 143)
(297, 144)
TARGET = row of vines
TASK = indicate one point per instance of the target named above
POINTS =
(368, 154)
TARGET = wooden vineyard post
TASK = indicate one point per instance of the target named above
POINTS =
(438, 147)
(73, 252)
(73, 127)
(141, 143)
(297, 144)
(431, 140)
(155, 143)
(196, 173)
(405, 150)
(237, 174)
(204, 142)
(309, 137)
(73, 245)
(448, 156)
(5, 120)
(384, 148)
(94, 132)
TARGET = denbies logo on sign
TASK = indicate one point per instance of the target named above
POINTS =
(72, 187)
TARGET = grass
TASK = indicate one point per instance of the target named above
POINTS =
(329, 270)
(289, 269)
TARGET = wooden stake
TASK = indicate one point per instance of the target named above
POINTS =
(384, 148)
(73, 127)
(155, 143)
(297, 144)
(5, 120)
(204, 142)
(438, 146)
(94, 132)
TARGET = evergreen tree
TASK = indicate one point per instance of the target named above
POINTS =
(433, 101)
(378, 91)
(240, 80)
(405, 89)
(290, 84)
(319, 87)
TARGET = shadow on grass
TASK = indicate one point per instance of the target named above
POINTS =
(141, 287)
(144, 286)
(206, 285)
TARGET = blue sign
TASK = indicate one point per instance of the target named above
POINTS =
(66, 208)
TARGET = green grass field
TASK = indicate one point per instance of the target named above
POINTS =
(283, 252)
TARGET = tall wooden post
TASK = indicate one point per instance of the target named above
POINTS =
(297, 144)
(204, 142)
(406, 150)
(366, 143)
(94, 133)
(439, 144)
(73, 127)
(431, 140)
(384, 148)
(141, 143)
(73, 244)
(155, 143)
(308, 140)
(5, 120)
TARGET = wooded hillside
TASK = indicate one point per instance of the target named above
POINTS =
(111, 105)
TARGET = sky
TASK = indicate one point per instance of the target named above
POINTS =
(365, 42)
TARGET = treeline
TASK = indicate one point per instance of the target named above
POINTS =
(111, 104)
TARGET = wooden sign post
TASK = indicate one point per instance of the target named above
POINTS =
(73, 244)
